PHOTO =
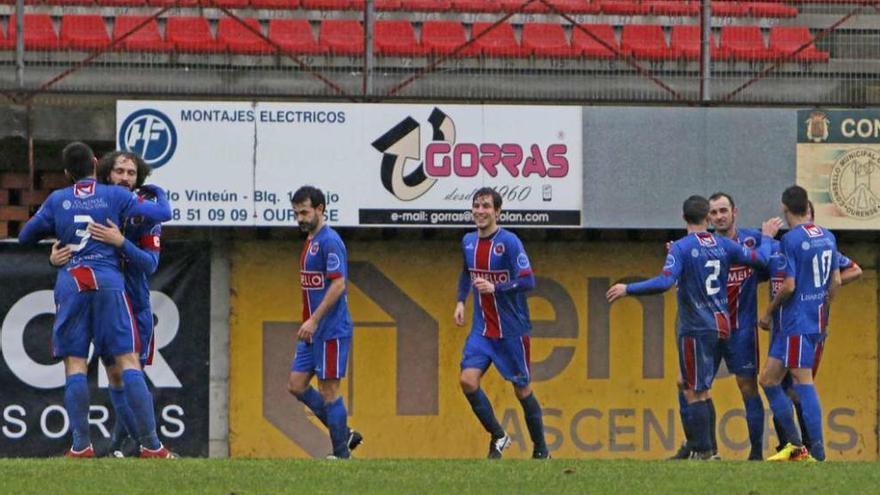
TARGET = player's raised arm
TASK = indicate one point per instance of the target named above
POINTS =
(157, 212)
(144, 256)
(39, 226)
(661, 283)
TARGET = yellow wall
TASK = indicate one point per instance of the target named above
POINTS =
(588, 412)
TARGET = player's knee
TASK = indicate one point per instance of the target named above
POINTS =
(114, 376)
(295, 387)
(748, 387)
(766, 380)
(522, 392)
(469, 384)
(329, 393)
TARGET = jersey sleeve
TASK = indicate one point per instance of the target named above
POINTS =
(40, 225)
(843, 262)
(464, 279)
(743, 255)
(153, 211)
(522, 278)
(669, 275)
(335, 259)
(145, 254)
(789, 250)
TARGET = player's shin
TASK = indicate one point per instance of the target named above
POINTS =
(812, 418)
(698, 419)
(76, 402)
(781, 406)
(141, 402)
(337, 423)
(713, 437)
(313, 400)
(125, 425)
(534, 422)
(483, 410)
(755, 421)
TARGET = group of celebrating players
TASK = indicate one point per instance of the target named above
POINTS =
(108, 245)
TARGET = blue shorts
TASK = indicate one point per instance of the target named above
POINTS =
(327, 359)
(510, 355)
(697, 359)
(102, 317)
(797, 351)
(740, 352)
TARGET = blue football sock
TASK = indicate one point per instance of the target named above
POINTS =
(483, 409)
(812, 418)
(755, 422)
(682, 414)
(780, 404)
(313, 400)
(76, 402)
(780, 433)
(698, 417)
(799, 410)
(141, 403)
(712, 434)
(534, 421)
(125, 424)
(337, 423)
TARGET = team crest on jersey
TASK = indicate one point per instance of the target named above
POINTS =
(522, 260)
(313, 248)
(813, 230)
(670, 262)
(499, 249)
(749, 242)
(706, 239)
(84, 190)
(137, 220)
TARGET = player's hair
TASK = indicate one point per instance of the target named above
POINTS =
(106, 163)
(719, 195)
(78, 160)
(795, 199)
(311, 193)
(695, 210)
(488, 191)
(811, 211)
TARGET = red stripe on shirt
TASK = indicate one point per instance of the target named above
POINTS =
(487, 301)
(306, 311)
(84, 277)
(331, 355)
(733, 292)
(150, 242)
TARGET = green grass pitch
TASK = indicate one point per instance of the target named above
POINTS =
(421, 477)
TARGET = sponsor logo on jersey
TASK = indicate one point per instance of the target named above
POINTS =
(494, 276)
(738, 274)
(813, 230)
(706, 239)
(84, 190)
(149, 133)
(499, 249)
(311, 280)
(522, 260)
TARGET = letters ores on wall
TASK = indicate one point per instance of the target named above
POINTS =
(33, 421)
(605, 376)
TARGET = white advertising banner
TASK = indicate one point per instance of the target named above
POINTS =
(238, 163)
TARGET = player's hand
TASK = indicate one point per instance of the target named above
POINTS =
(458, 315)
(771, 226)
(616, 292)
(108, 234)
(484, 286)
(765, 322)
(307, 330)
(60, 255)
(669, 245)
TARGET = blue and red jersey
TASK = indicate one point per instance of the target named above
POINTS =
(500, 259)
(323, 259)
(700, 263)
(66, 214)
(140, 257)
(809, 255)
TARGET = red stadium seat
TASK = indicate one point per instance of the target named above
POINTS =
(240, 39)
(623, 7)
(645, 41)
(520, 6)
(147, 38)
(229, 4)
(84, 32)
(426, 5)
(587, 46)
(763, 9)
(685, 42)
(191, 34)
(68, 2)
(385, 5)
(295, 36)
(444, 37)
(729, 9)
(547, 40)
(685, 9)
(476, 6)
(342, 37)
(787, 39)
(6, 43)
(326, 4)
(576, 6)
(499, 41)
(122, 3)
(396, 38)
(173, 3)
(275, 4)
(744, 43)
(39, 33)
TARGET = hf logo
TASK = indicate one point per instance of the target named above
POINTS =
(150, 134)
